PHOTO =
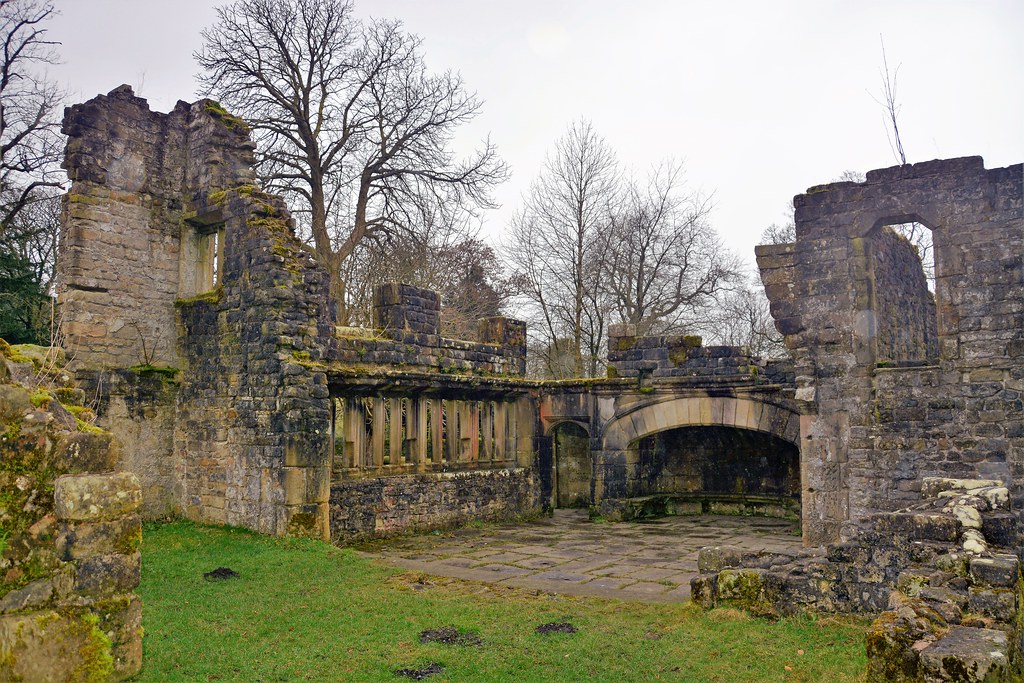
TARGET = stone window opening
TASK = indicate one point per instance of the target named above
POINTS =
(402, 434)
(920, 237)
(202, 259)
(903, 293)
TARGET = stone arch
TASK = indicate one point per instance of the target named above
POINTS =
(696, 411)
(549, 426)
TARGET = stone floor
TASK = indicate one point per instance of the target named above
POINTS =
(650, 560)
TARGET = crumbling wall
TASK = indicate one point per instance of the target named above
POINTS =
(202, 328)
(878, 428)
(407, 335)
(69, 536)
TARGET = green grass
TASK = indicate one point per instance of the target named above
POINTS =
(306, 611)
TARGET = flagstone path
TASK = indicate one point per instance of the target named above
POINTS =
(651, 560)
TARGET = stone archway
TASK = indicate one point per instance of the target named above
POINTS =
(627, 466)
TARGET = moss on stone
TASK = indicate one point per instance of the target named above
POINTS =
(97, 662)
(164, 372)
(84, 426)
(233, 123)
(85, 199)
(211, 297)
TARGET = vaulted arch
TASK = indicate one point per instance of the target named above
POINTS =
(776, 419)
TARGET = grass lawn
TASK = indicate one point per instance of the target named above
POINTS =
(307, 611)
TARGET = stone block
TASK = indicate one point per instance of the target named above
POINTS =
(120, 618)
(998, 603)
(1001, 529)
(919, 526)
(54, 646)
(1001, 571)
(717, 558)
(82, 452)
(77, 540)
(105, 575)
(82, 497)
(967, 655)
(702, 590)
(14, 403)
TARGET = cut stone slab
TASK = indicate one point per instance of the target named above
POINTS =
(967, 655)
(1000, 571)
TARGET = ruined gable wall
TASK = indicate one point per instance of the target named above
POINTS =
(120, 235)
(878, 431)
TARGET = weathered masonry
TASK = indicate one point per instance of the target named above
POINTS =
(903, 384)
(201, 326)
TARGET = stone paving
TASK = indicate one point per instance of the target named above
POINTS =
(651, 560)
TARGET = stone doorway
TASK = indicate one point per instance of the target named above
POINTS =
(573, 466)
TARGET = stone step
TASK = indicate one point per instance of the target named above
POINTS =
(918, 526)
(967, 655)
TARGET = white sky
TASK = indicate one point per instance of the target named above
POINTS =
(761, 99)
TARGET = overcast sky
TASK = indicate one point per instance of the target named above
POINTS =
(760, 99)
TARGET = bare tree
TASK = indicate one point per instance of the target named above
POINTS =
(891, 106)
(465, 270)
(349, 123)
(555, 242)
(30, 144)
(30, 147)
(661, 261)
(743, 319)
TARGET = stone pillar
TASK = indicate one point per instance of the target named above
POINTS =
(399, 309)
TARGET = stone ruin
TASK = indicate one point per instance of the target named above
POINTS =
(912, 456)
(200, 329)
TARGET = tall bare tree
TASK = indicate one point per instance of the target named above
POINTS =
(555, 243)
(30, 147)
(661, 262)
(349, 123)
(30, 143)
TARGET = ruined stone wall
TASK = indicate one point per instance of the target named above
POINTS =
(407, 336)
(906, 330)
(253, 424)
(173, 258)
(70, 529)
(877, 431)
(139, 406)
(122, 234)
(686, 356)
(384, 506)
(720, 462)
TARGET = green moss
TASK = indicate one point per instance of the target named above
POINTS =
(165, 372)
(130, 542)
(231, 122)
(84, 199)
(41, 398)
(97, 662)
(84, 426)
(677, 356)
(300, 355)
(645, 390)
(211, 297)
(217, 197)
(612, 372)
(625, 343)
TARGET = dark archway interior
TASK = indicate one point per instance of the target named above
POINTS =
(722, 467)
